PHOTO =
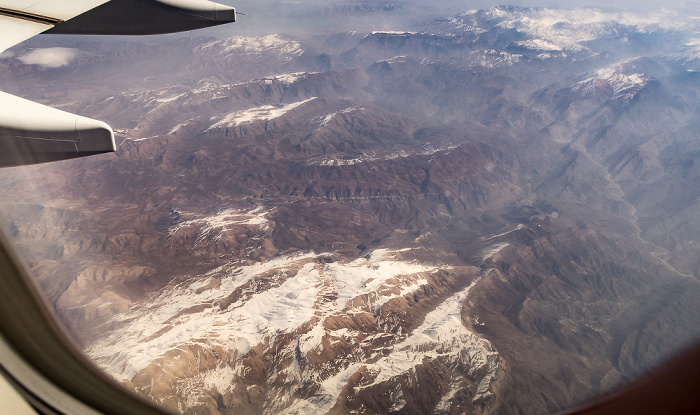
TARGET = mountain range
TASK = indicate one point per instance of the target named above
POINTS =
(492, 212)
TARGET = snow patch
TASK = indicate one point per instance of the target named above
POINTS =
(168, 99)
(442, 335)
(393, 32)
(265, 112)
(326, 396)
(538, 44)
(154, 328)
(613, 78)
(206, 86)
(567, 29)
(560, 29)
(467, 23)
(289, 78)
(177, 127)
(693, 46)
(188, 314)
(216, 225)
(312, 339)
(517, 228)
(492, 250)
(492, 58)
(325, 120)
(370, 276)
(256, 45)
(427, 150)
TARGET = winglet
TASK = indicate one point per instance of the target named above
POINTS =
(147, 17)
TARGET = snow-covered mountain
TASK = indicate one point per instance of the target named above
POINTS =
(297, 306)
(492, 212)
(614, 80)
(548, 29)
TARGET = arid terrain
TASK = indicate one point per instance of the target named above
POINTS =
(493, 212)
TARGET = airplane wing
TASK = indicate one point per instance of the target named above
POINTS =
(33, 133)
(37, 356)
(30, 132)
(22, 19)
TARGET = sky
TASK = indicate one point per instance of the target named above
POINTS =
(298, 17)
(631, 5)
(294, 16)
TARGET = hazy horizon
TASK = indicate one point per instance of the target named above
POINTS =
(278, 16)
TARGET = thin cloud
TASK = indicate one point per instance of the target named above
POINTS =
(50, 57)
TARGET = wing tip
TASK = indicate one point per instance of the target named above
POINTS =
(31, 133)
